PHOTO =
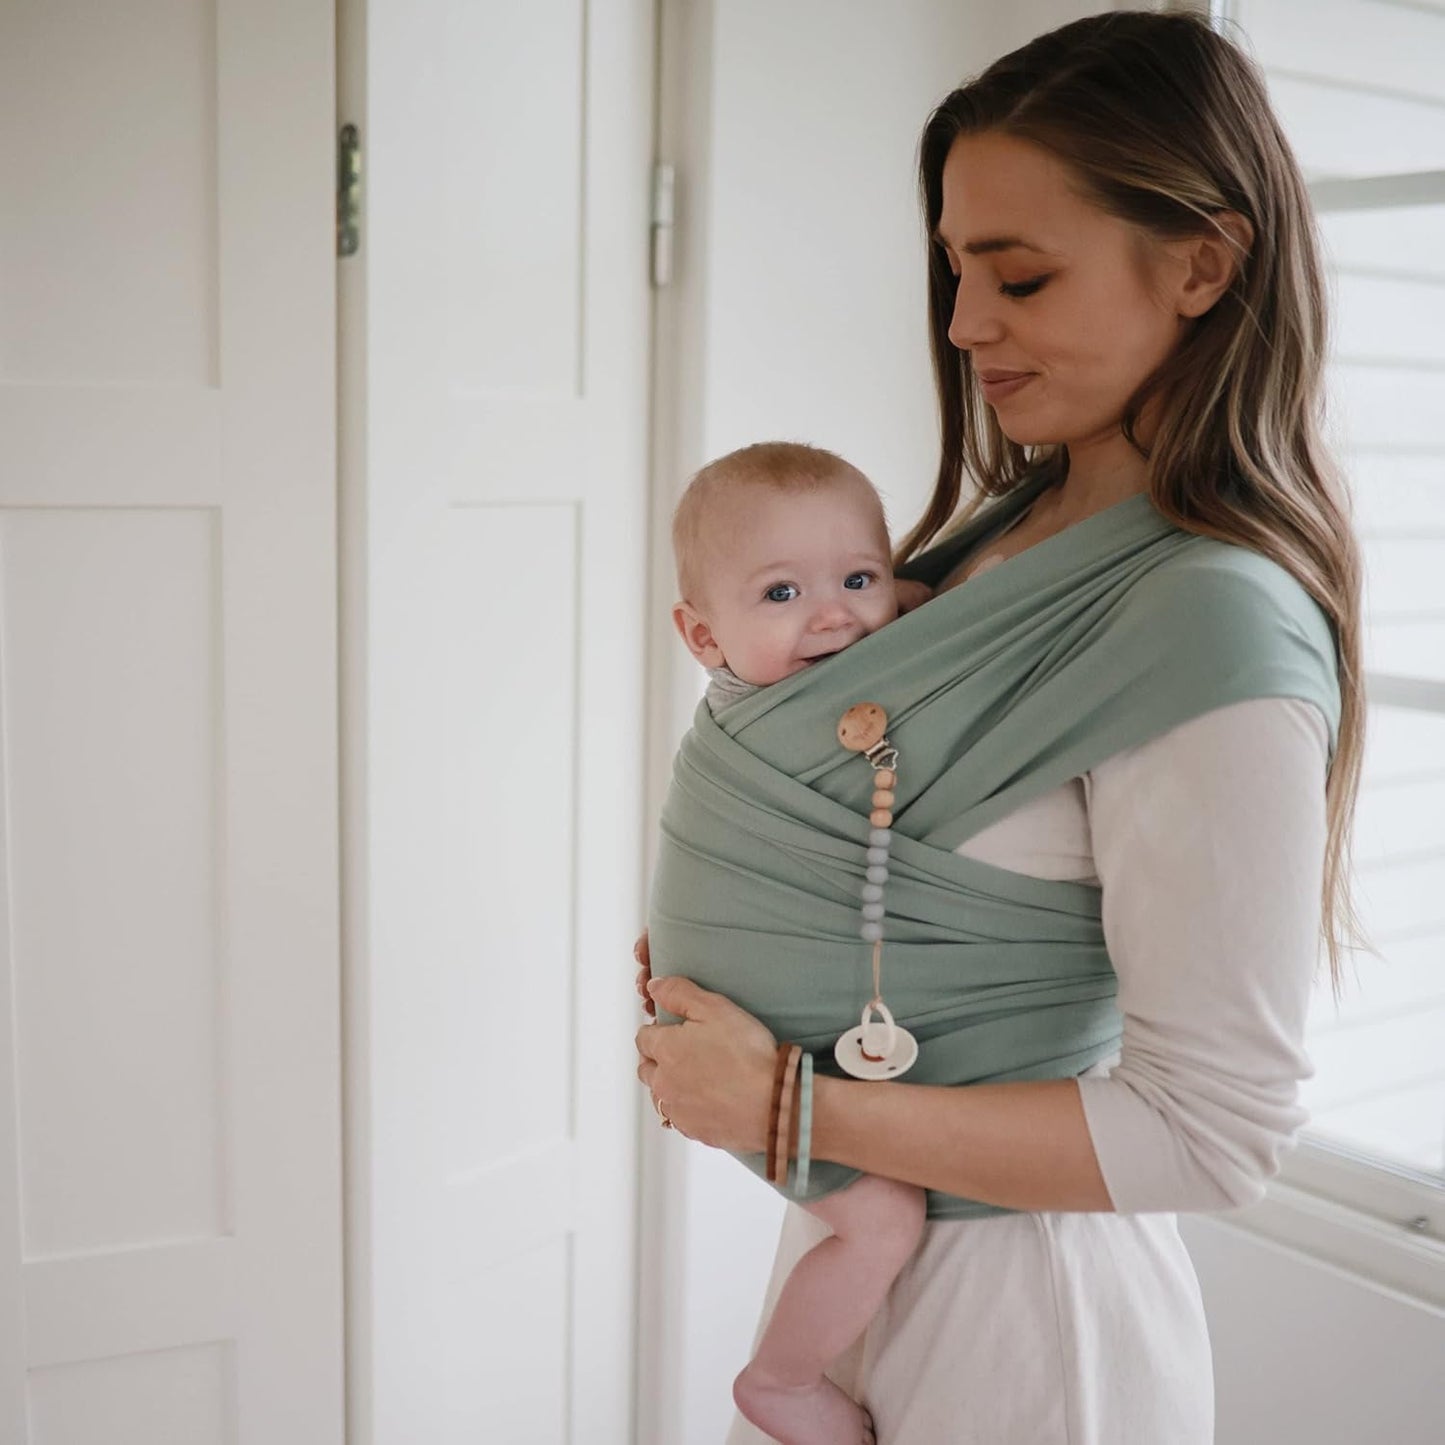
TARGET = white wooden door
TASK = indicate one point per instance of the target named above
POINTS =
(499, 482)
(170, 1238)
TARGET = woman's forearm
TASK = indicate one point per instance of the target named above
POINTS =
(1021, 1146)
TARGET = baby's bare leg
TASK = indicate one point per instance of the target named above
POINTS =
(826, 1303)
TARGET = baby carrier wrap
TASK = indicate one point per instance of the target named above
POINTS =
(1095, 640)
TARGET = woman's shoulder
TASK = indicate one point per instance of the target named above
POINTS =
(1208, 569)
(1229, 623)
(1211, 593)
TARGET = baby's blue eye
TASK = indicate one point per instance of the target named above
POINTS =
(783, 592)
(857, 581)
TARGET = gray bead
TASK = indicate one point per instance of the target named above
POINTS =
(880, 837)
(872, 932)
(872, 892)
(873, 912)
(878, 873)
(877, 856)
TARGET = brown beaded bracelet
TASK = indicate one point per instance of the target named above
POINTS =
(779, 1066)
(785, 1114)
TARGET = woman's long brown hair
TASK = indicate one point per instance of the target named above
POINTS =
(1165, 124)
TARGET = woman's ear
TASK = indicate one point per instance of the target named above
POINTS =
(1213, 261)
(697, 635)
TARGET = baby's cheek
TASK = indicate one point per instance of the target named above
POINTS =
(768, 660)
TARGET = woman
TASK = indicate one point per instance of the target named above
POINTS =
(1126, 307)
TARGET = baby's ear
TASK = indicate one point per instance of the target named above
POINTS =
(695, 632)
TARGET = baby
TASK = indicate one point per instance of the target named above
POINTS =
(782, 559)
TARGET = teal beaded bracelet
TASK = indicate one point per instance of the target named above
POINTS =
(805, 1123)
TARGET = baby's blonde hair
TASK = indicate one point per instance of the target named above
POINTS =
(780, 466)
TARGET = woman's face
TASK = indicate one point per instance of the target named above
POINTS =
(1063, 309)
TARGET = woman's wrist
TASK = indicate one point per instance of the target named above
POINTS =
(830, 1104)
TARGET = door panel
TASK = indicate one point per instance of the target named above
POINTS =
(501, 486)
(170, 1208)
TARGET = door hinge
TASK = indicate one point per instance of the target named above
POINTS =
(348, 191)
(663, 178)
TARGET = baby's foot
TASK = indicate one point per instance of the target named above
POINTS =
(818, 1413)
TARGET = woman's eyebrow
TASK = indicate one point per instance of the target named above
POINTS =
(990, 244)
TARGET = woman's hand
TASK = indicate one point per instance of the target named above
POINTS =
(911, 594)
(644, 974)
(712, 1074)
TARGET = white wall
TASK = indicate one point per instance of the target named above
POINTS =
(1307, 1354)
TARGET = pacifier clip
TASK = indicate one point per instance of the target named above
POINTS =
(878, 1048)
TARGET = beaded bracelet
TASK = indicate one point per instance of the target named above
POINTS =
(785, 1112)
(805, 1123)
(779, 1065)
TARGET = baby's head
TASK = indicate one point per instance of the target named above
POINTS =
(782, 558)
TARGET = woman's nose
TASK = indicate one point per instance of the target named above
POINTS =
(975, 320)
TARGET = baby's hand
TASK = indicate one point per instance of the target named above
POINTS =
(911, 594)
(643, 956)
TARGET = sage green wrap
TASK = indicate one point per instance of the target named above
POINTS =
(1095, 640)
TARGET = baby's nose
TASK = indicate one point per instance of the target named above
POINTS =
(832, 615)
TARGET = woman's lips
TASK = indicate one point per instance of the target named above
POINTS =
(999, 384)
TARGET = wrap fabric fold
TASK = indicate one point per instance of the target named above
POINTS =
(1094, 640)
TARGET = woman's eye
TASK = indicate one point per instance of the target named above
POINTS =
(783, 592)
(1023, 288)
(857, 581)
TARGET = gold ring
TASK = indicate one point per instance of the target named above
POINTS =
(661, 1112)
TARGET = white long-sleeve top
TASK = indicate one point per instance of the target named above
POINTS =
(1208, 843)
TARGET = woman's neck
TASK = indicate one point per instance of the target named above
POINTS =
(1102, 472)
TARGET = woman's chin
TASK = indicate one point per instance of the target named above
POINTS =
(1025, 433)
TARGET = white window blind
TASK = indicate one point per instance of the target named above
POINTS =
(1359, 86)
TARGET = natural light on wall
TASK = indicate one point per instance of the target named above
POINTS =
(1360, 88)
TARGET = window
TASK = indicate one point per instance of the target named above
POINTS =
(1359, 86)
